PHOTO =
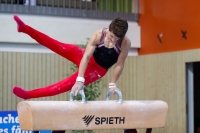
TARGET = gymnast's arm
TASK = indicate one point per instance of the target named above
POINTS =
(126, 44)
(85, 59)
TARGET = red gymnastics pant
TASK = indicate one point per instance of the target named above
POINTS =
(68, 51)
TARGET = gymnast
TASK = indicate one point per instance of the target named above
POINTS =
(107, 46)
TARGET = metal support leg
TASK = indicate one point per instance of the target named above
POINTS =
(58, 132)
(130, 131)
(149, 130)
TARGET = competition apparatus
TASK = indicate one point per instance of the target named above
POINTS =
(92, 115)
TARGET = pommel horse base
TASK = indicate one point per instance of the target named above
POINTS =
(91, 115)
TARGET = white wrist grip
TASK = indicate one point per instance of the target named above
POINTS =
(112, 85)
(80, 79)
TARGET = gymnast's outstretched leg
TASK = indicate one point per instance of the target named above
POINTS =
(93, 73)
(69, 51)
(54, 89)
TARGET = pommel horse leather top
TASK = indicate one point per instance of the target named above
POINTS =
(76, 115)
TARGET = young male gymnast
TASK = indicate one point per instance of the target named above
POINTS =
(107, 46)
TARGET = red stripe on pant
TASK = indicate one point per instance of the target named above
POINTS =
(68, 51)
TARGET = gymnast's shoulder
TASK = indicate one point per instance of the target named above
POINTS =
(98, 32)
(97, 35)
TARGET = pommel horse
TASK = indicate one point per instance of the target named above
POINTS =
(89, 115)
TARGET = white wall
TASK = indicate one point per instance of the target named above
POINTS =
(70, 30)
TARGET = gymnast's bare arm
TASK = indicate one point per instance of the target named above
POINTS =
(126, 44)
(94, 40)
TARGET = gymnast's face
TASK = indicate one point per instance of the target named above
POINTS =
(112, 37)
